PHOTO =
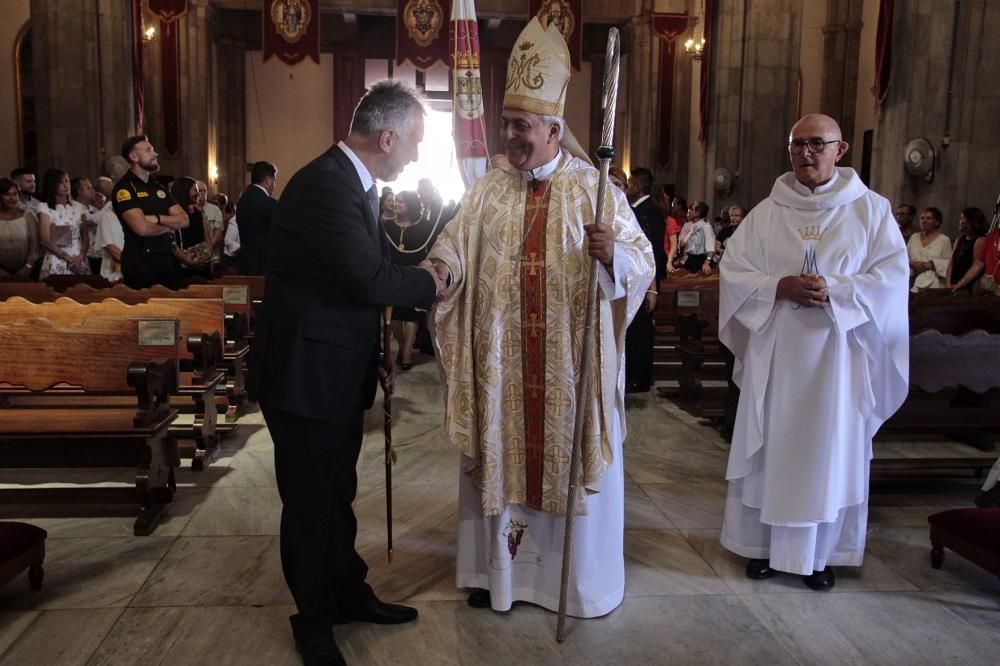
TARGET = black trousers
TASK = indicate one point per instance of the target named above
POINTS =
(315, 463)
(639, 351)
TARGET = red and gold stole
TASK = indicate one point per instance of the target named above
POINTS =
(533, 338)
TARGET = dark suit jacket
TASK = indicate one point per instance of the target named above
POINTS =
(316, 346)
(654, 226)
(253, 215)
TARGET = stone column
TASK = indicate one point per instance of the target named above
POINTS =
(841, 50)
(83, 75)
(755, 65)
(640, 93)
(230, 91)
(962, 128)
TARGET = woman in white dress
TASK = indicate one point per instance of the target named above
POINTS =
(62, 228)
(926, 249)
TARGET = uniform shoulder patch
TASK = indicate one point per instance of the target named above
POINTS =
(122, 195)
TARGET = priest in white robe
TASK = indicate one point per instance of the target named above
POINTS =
(813, 305)
(509, 338)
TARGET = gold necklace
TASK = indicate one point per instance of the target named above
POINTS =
(531, 225)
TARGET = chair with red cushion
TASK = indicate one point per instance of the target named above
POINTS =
(972, 533)
(22, 546)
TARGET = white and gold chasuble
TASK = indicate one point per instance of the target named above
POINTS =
(509, 335)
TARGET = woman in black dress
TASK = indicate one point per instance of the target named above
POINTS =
(191, 248)
(967, 256)
(410, 239)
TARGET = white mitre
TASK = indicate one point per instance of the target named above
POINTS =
(538, 75)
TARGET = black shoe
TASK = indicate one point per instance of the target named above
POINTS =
(820, 580)
(379, 612)
(319, 650)
(479, 598)
(759, 569)
(989, 498)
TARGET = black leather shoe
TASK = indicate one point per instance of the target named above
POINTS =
(820, 580)
(319, 650)
(379, 612)
(989, 498)
(759, 569)
(479, 598)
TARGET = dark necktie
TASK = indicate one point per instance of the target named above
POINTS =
(373, 202)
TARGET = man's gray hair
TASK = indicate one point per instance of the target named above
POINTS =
(386, 105)
(743, 211)
(555, 120)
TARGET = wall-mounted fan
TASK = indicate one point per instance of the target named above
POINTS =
(918, 158)
(722, 179)
(115, 167)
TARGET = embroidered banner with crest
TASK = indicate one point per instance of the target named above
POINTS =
(170, 12)
(567, 15)
(291, 30)
(467, 111)
(422, 32)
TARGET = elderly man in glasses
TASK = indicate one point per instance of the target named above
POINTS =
(814, 308)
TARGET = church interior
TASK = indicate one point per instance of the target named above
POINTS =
(708, 90)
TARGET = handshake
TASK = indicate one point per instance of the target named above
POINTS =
(441, 275)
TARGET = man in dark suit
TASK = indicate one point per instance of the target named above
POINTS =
(315, 358)
(254, 212)
(640, 333)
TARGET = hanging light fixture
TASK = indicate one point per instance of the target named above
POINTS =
(694, 49)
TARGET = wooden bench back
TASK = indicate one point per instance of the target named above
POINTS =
(692, 294)
(37, 354)
(970, 360)
(235, 300)
(196, 318)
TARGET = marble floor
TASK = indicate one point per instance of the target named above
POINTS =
(207, 586)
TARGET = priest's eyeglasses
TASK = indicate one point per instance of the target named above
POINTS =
(816, 145)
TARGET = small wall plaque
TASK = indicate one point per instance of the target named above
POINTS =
(688, 298)
(157, 332)
(235, 294)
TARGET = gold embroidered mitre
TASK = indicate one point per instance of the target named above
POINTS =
(538, 71)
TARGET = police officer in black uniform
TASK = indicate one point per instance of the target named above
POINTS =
(149, 216)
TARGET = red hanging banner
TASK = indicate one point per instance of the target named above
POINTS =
(567, 16)
(668, 27)
(883, 51)
(422, 32)
(291, 30)
(706, 68)
(169, 12)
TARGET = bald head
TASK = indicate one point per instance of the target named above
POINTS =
(815, 145)
(816, 124)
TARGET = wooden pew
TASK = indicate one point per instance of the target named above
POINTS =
(254, 283)
(681, 293)
(954, 382)
(136, 357)
(236, 304)
(200, 322)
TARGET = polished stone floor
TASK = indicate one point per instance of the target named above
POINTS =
(206, 588)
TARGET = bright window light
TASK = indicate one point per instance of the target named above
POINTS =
(436, 160)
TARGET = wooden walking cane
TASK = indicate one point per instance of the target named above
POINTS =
(605, 154)
(390, 453)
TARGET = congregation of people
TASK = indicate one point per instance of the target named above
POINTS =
(494, 287)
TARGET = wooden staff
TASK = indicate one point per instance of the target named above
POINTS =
(604, 154)
(390, 453)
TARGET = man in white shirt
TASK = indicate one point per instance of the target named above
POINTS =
(109, 239)
(699, 245)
